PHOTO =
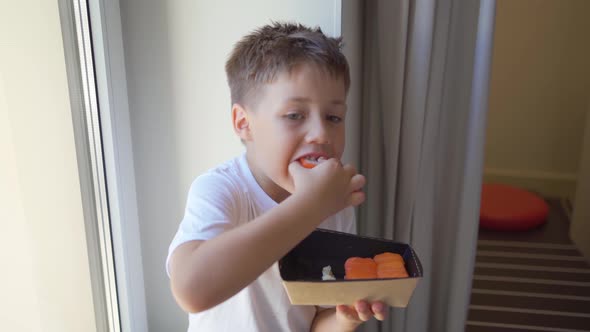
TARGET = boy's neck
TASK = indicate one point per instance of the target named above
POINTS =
(273, 190)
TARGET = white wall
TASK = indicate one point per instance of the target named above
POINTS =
(45, 282)
(180, 110)
(539, 85)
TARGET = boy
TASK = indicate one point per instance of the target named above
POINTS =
(288, 88)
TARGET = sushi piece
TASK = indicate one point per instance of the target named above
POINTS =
(360, 268)
(307, 163)
(310, 162)
(384, 265)
(390, 265)
(388, 257)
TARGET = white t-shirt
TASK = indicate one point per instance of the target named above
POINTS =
(225, 197)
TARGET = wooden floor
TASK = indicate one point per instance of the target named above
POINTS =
(531, 281)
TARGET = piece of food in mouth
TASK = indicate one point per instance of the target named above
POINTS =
(310, 161)
(360, 268)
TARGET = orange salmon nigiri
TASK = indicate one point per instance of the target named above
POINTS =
(390, 265)
(360, 268)
(388, 257)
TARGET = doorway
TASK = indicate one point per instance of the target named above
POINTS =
(536, 280)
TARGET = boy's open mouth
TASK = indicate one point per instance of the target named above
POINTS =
(311, 161)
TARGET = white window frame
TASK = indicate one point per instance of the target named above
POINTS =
(93, 46)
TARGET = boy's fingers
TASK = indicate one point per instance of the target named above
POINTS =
(347, 312)
(357, 182)
(379, 310)
(356, 198)
(363, 310)
(349, 169)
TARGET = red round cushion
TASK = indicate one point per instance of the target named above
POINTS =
(506, 208)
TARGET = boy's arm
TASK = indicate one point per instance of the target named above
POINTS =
(206, 273)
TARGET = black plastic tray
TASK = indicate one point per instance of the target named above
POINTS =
(324, 247)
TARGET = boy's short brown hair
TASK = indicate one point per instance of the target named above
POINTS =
(260, 56)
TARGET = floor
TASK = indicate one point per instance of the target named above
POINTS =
(531, 281)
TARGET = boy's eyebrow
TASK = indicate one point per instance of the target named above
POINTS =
(306, 100)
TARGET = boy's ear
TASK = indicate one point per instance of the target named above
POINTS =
(240, 122)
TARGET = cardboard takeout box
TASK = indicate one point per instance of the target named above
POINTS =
(301, 270)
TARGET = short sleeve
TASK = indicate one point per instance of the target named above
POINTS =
(211, 209)
(349, 222)
(343, 221)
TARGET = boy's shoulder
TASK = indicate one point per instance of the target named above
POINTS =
(227, 175)
(228, 168)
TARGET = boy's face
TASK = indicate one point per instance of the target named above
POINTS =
(301, 114)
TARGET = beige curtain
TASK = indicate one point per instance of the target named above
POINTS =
(421, 108)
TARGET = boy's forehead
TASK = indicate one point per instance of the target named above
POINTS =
(299, 84)
(303, 83)
(306, 70)
(297, 99)
(294, 95)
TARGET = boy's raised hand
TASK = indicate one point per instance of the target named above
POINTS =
(330, 185)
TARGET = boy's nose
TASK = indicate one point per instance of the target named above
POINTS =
(318, 133)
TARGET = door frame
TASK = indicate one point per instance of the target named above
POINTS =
(580, 223)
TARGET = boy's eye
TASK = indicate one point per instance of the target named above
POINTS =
(334, 119)
(294, 116)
